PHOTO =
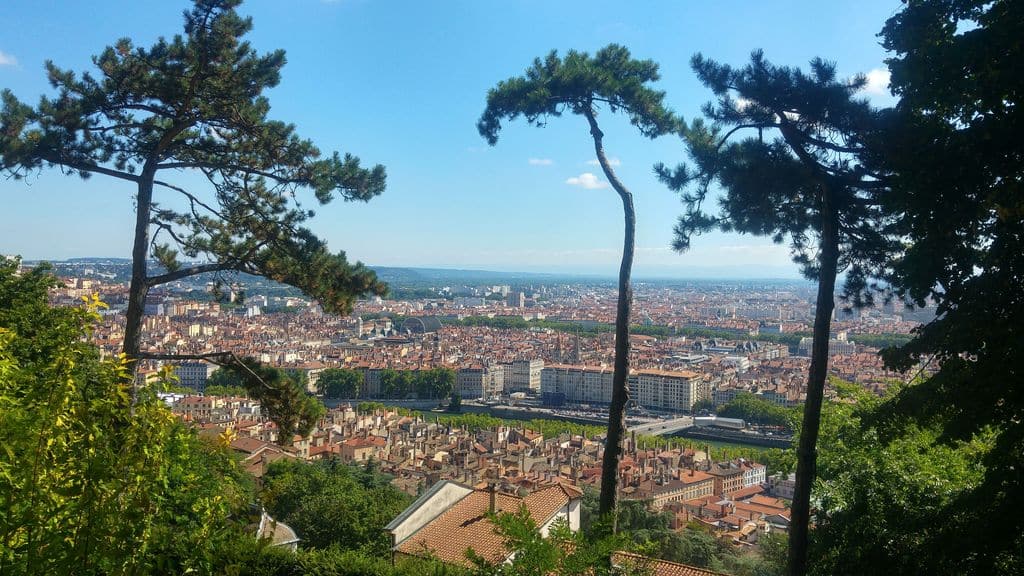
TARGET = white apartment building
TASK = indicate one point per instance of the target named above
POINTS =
(669, 390)
(835, 346)
(658, 389)
(754, 474)
(524, 376)
(576, 384)
(480, 382)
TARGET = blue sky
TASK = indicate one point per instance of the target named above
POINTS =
(403, 83)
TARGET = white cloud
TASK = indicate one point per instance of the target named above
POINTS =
(541, 161)
(613, 161)
(878, 82)
(7, 60)
(588, 181)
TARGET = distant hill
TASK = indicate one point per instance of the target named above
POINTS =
(413, 277)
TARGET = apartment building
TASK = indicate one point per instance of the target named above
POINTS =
(193, 375)
(524, 376)
(655, 389)
(564, 384)
(480, 381)
(668, 390)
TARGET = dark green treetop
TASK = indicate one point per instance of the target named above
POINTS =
(194, 104)
(578, 83)
(957, 157)
(772, 138)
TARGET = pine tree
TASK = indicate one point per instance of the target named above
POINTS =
(194, 104)
(582, 85)
(799, 175)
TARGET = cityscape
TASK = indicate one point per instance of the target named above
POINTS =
(340, 287)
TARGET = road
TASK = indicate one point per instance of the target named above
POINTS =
(663, 427)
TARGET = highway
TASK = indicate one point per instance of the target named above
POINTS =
(662, 427)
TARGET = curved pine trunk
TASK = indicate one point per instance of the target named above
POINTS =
(806, 454)
(620, 377)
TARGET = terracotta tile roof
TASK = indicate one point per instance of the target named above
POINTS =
(747, 492)
(660, 567)
(465, 524)
(365, 442)
(768, 501)
(250, 445)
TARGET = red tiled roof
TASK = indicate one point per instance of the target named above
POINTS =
(465, 524)
(659, 567)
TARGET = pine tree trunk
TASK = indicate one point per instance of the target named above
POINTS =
(620, 378)
(807, 450)
(138, 288)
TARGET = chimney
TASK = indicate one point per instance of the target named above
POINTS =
(493, 498)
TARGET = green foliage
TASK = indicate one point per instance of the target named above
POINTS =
(455, 404)
(866, 478)
(576, 83)
(225, 382)
(91, 482)
(756, 410)
(953, 143)
(236, 391)
(881, 340)
(249, 558)
(340, 383)
(196, 104)
(434, 383)
(562, 552)
(282, 396)
(332, 504)
(779, 461)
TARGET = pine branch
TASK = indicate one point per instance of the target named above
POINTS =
(223, 359)
(193, 271)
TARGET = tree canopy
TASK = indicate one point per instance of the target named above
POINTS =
(773, 139)
(579, 83)
(93, 483)
(332, 504)
(584, 85)
(340, 383)
(194, 104)
(798, 171)
(955, 151)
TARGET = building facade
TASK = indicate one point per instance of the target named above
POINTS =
(654, 389)
(524, 376)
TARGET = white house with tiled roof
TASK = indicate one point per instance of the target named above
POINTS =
(450, 518)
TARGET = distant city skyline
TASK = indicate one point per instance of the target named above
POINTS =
(404, 87)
